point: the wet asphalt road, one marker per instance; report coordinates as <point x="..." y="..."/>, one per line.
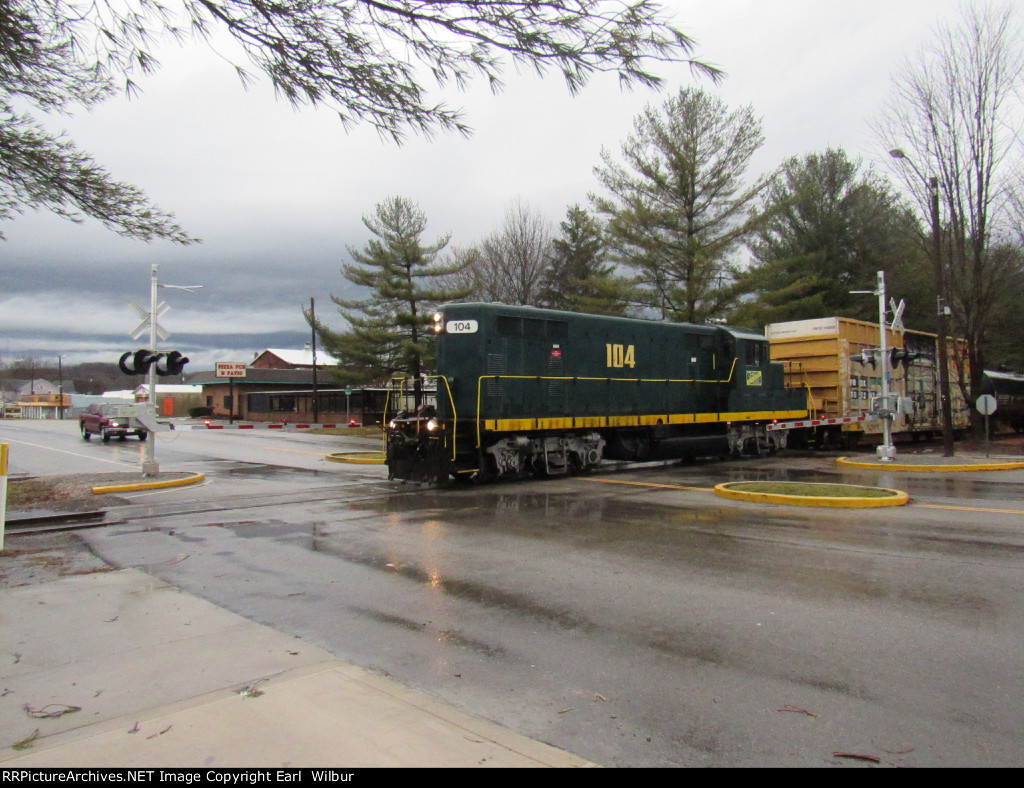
<point x="631" y="617"/>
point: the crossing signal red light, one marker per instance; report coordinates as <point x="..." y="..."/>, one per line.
<point x="138" y="362"/>
<point x="174" y="362"/>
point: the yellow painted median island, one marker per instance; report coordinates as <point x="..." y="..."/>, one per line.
<point x="848" y="496"/>
<point x="358" y="457"/>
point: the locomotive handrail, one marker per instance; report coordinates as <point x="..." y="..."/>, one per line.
<point x="387" y="400"/>
<point x="480" y="383"/>
<point x="455" y="415"/>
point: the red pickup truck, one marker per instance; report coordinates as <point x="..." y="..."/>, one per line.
<point x="103" y="420"/>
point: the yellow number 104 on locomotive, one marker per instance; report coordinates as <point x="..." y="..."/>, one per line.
<point x="523" y="391"/>
<point x="621" y="356"/>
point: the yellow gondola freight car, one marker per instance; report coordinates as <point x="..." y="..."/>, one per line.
<point x="837" y="361"/>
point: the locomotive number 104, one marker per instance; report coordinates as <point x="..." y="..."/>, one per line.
<point x="620" y="356"/>
<point x="462" y="327"/>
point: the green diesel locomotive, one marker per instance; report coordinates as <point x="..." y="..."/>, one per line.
<point x="524" y="391"/>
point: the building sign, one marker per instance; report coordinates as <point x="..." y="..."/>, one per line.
<point x="230" y="370"/>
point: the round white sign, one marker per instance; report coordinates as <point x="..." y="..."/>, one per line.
<point x="986" y="404"/>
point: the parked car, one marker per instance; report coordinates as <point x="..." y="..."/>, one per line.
<point x="103" y="420"/>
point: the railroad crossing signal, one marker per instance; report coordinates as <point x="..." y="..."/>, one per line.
<point x="866" y="357"/>
<point x="174" y="363"/>
<point x="897" y="314"/>
<point x="902" y="356"/>
<point x="142" y="329"/>
<point x="141" y="360"/>
<point x="138" y="362"/>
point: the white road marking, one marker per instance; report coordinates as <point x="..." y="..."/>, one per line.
<point x="72" y="453"/>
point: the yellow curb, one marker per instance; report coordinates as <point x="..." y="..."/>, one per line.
<point x="897" y="498"/>
<point x="358" y="457"/>
<point x="193" y="479"/>
<point x="893" y="466"/>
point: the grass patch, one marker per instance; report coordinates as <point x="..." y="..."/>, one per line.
<point x="811" y="490"/>
<point x="27" y="493"/>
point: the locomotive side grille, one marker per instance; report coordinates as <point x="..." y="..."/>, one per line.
<point x="495" y="366"/>
<point x="556" y="388"/>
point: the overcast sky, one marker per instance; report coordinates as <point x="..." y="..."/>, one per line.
<point x="277" y="195"/>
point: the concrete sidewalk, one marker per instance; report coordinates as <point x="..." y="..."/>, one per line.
<point x="160" y="678"/>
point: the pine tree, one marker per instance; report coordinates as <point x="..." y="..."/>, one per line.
<point x="677" y="206"/>
<point x="829" y="227"/>
<point x="579" y="278"/>
<point x="389" y="331"/>
<point x="364" y="60"/>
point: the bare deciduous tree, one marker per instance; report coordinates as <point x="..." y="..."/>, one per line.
<point x="952" y="117"/>
<point x="508" y="266"/>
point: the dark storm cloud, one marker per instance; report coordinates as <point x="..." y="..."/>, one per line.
<point x="277" y="196"/>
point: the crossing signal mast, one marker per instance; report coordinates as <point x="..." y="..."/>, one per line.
<point x="887" y="451"/>
<point x="147" y="361"/>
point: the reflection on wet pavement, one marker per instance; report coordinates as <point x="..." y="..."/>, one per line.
<point x="809" y="555"/>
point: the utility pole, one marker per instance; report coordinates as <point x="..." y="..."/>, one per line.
<point x="938" y="273"/>
<point x="316" y="396"/>
<point x="948" y="447"/>
<point x="60" y="388"/>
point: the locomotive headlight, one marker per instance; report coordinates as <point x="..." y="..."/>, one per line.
<point x="392" y="424"/>
<point x="438" y="322"/>
<point x="432" y="425"/>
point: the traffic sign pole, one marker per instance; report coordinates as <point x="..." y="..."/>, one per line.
<point x="230" y="370"/>
<point x="986" y="405"/>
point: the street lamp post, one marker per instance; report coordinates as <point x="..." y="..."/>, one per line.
<point x="942" y="347"/>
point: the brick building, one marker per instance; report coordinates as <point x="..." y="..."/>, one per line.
<point x="278" y="385"/>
